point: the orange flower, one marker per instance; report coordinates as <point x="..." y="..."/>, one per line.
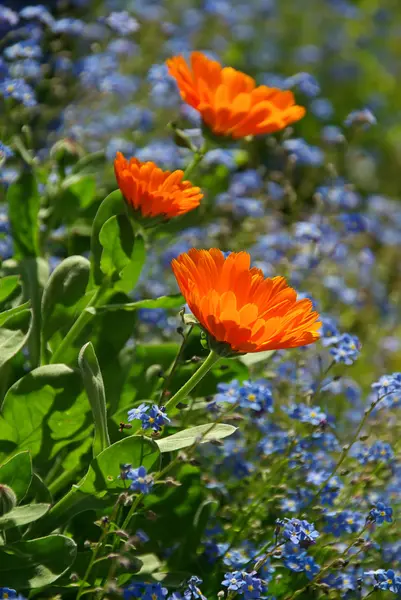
<point x="155" y="192"/>
<point x="229" y="101"/>
<point x="237" y="306"/>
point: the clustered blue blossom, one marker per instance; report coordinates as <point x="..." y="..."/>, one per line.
<point x="151" y="416"/>
<point x="296" y="559"/>
<point x="298" y="532"/>
<point x="254" y="395"/>
<point x="386" y="580"/>
<point x="245" y="584"/>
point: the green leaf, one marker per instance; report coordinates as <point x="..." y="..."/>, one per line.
<point x="103" y="475"/>
<point x="150" y="563"/>
<point x="22" y="515"/>
<point x="38" y="491"/>
<point x="34" y="274"/>
<point x="23" y="210"/>
<point x="17" y="473"/>
<point x="12" y="312"/>
<point x="93" y="382"/>
<point x="14" y="334"/>
<point x="254" y="358"/>
<point x="79" y="192"/>
<point x="117" y="239"/>
<point x="123" y="253"/>
<point x="187" y="437"/>
<point x="36" y="563"/>
<point x="112" y="205"/>
<point x="44" y="412"/>
<point x="166" y="302"/>
<point x="64" y="299"/>
<point x="8" y="285"/>
<point x="102" y="479"/>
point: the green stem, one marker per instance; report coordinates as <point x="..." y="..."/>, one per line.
<point x="205" y="367"/>
<point x="96" y="551"/>
<point x="174" y="365"/>
<point x="196" y="159"/>
<point x="79" y="324"/>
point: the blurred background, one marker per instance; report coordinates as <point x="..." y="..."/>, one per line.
<point x="102" y="82"/>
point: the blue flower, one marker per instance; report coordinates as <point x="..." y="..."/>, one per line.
<point x="388" y="384"/>
<point x="252" y="586"/>
<point x="152" y="417"/>
<point x="331" y="134"/>
<point x="256" y="396"/>
<point x="299" y="532"/>
<point x="306" y="414"/>
<point x="193" y="592"/>
<point x="5" y="151"/>
<point x="233" y="581"/>
<point x="245" y="584"/>
<point x="381" y="513"/>
<point x="303" y="153"/>
<point x="7" y="593"/>
<point x="311" y="568"/>
<point x="19" y="90"/>
<point x="386" y="580"/>
<point x="346" y="350"/>
<point x="140" y="481"/>
<point x="38" y="12"/>
<point x="145" y="591"/>
<point x="122" y="22"/>
<point x="9" y="17"/>
<point x="362" y="118"/>
<point x="305" y="82"/>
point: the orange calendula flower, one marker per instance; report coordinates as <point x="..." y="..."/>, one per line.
<point x="237" y="306"/>
<point x="229" y="101"/>
<point x="154" y="192"/>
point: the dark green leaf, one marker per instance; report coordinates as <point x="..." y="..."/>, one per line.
<point x="24" y="203"/>
<point x="104" y="471"/>
<point x="12" y="312"/>
<point x="14" y="334"/>
<point x="36" y="563"/>
<point x="22" y="515"/>
<point x="17" y="473"/>
<point x="102" y="479"/>
<point x="44" y="412"/>
<point x="34" y="274"/>
<point x="8" y="285"/>
<point x="123" y="253"/>
<point x="166" y="302"/>
<point x="93" y="382"/>
<point x="200" y="433"/>
<point x="64" y="298"/>
<point x="112" y="205"/>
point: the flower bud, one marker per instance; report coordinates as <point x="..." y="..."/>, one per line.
<point x="8" y="499"/>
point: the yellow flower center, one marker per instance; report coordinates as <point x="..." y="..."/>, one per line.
<point x="251" y="397"/>
<point x="151" y="420"/>
<point x="250" y="588"/>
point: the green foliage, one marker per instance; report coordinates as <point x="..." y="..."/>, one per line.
<point x="24" y="202"/>
<point x="123" y="253"/>
<point x="93" y="382"/>
<point x="36" y="563"/>
<point x="200" y="433"/>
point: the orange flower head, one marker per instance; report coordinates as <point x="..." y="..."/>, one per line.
<point x="152" y="191"/>
<point x="238" y="307"/>
<point x="229" y="101"/>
